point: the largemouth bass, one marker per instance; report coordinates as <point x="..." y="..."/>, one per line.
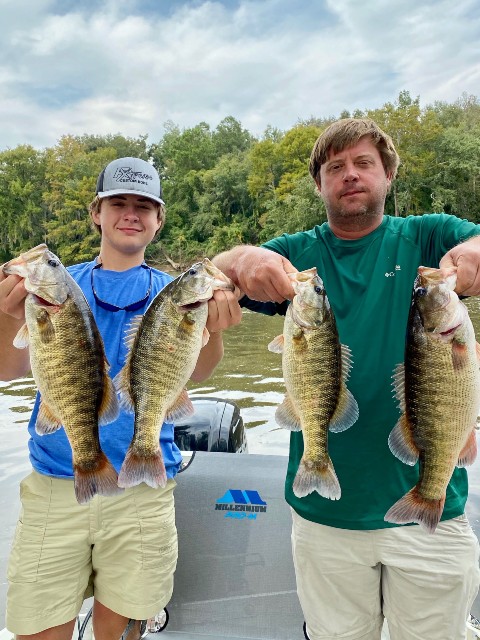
<point x="164" y="345"/>
<point x="315" y="370"/>
<point x="438" y="389"/>
<point x="69" y="366"/>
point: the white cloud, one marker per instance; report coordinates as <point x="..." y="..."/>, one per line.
<point x="117" y="67"/>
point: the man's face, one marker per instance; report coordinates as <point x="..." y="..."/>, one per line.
<point x="354" y="184"/>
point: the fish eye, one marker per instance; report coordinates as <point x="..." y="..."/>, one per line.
<point x="192" y="272"/>
<point x="318" y="289"/>
<point x="421" y="291"/>
<point x="53" y="263"/>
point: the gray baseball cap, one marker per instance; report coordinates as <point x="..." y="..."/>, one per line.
<point x="130" y="175"/>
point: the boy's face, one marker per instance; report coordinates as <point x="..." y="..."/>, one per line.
<point x="128" y="222"/>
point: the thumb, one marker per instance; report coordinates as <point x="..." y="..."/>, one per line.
<point x="447" y="261"/>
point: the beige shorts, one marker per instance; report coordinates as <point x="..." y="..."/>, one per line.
<point x="348" y="581"/>
<point x="122" y="550"/>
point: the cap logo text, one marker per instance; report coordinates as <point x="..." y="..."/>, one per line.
<point x="127" y="174"/>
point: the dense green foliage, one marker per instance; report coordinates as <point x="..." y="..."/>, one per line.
<point x="223" y="186"/>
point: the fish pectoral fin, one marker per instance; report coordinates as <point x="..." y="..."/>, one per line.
<point x="205" y="336"/>
<point x="109" y="407"/>
<point x="121" y="383"/>
<point x="46" y="330"/>
<point x="46" y="422"/>
<point x="469" y="452"/>
<point x="346" y="413"/>
<point x="401" y="442"/>
<point x="286" y="415"/>
<point x="22" y="339"/>
<point x="277" y="344"/>
<point x="181" y="408"/>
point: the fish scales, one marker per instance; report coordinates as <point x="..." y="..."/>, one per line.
<point x="315" y="369"/>
<point x="69" y="367"/>
<point x="312" y="371"/>
<point x="438" y="397"/>
<point x="438" y="388"/>
<point x="164" y="346"/>
<point x="78" y="343"/>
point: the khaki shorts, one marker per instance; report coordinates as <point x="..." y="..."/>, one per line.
<point x="121" y="549"/>
<point x="424" y="584"/>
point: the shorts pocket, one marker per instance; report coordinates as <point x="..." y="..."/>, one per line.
<point x="25" y="554"/>
<point x="29" y="535"/>
<point x="159" y="542"/>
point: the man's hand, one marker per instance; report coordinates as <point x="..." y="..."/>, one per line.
<point x="260" y="274"/>
<point x="466" y="257"/>
<point x="224" y="310"/>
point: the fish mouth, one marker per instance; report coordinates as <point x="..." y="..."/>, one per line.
<point x="185" y="308"/>
<point x="42" y="302"/>
<point x="449" y="332"/>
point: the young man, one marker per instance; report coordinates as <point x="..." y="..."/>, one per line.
<point x="353" y="568"/>
<point x="121" y="549"/>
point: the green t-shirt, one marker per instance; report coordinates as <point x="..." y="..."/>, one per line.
<point x="369" y="284"/>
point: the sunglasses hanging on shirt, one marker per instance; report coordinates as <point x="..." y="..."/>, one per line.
<point x="108" y="306"/>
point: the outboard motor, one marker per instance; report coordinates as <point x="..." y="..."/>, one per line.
<point x="216" y="425"/>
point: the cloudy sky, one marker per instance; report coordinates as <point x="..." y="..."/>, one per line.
<point x="128" y="66"/>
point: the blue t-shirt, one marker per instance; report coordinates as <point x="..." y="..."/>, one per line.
<point x="51" y="454"/>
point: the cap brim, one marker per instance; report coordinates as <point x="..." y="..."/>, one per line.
<point x="118" y="192"/>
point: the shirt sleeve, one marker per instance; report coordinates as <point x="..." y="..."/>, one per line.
<point x="441" y="232"/>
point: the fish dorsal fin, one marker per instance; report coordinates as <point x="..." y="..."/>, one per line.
<point x="401" y="442"/>
<point x="346" y="413"/>
<point x="132" y="330"/>
<point x="346" y="361"/>
<point x="46" y="422"/>
<point x="277" y="344"/>
<point x="181" y="408"/>
<point x="286" y="415"/>
<point x="477" y="351"/>
<point x="121" y="383"/>
<point x="469" y="452"/>
<point x="109" y="407"/>
<point x="22" y="339"/>
<point x="398" y="385"/>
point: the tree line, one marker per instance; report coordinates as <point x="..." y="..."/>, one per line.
<point x="224" y="186"/>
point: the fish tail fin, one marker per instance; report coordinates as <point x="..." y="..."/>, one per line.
<point x="102" y="479"/>
<point x="320" y="477"/>
<point x="136" y="469"/>
<point x="413" y="507"/>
